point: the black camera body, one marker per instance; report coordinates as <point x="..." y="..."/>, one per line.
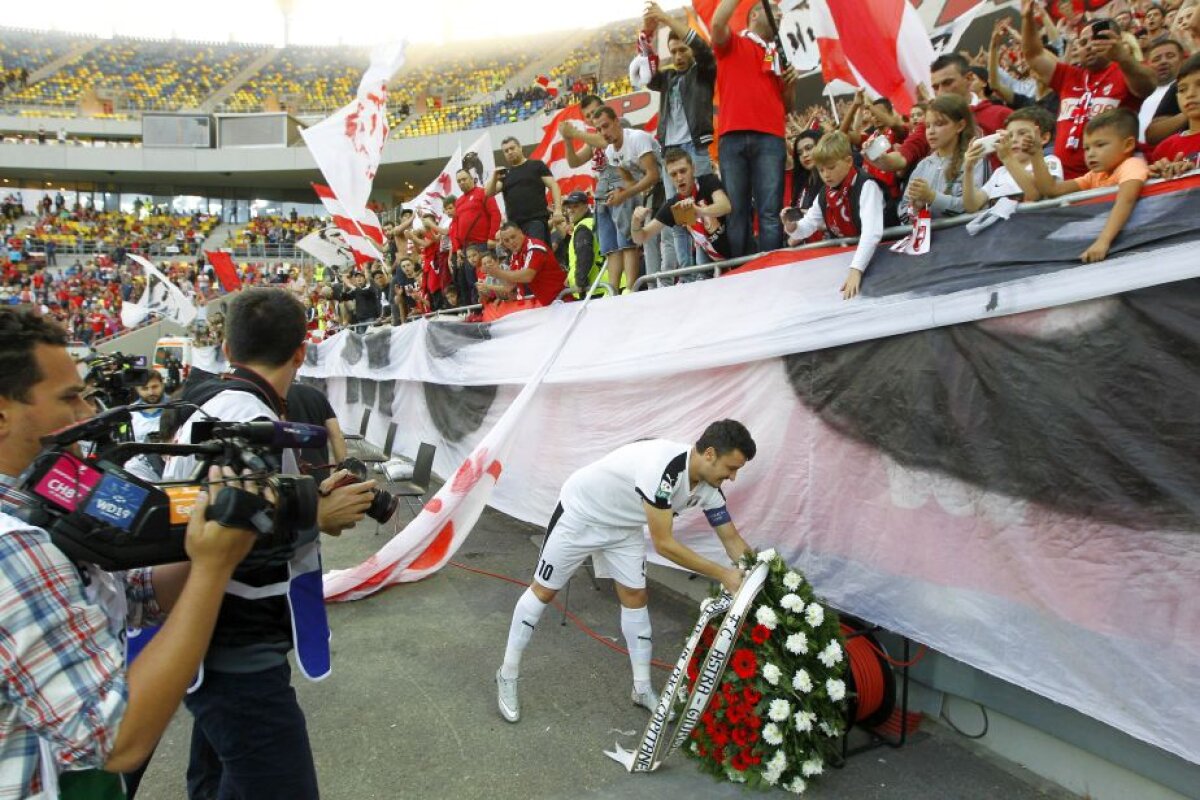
<point x="113" y="377"/>
<point x="98" y="512"/>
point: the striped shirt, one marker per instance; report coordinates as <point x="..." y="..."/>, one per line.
<point x="63" y="657"/>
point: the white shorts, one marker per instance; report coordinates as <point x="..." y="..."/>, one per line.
<point x="617" y="553"/>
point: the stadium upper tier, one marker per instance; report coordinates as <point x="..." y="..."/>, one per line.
<point x="437" y="92"/>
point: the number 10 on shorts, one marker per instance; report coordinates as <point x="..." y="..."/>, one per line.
<point x="544" y="570"/>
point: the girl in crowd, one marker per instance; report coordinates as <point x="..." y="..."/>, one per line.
<point x="936" y="183"/>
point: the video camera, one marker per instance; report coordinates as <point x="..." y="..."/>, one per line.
<point x="98" y="512"/>
<point x="113" y="377"/>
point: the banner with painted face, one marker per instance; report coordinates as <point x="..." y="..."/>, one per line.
<point x="992" y="451"/>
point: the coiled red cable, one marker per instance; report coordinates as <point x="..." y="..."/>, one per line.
<point x="866" y="672"/>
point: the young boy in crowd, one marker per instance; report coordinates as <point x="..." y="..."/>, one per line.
<point x="1180" y="152"/>
<point x="1025" y="131"/>
<point x="1109" y="141"/>
<point x="851" y="205"/>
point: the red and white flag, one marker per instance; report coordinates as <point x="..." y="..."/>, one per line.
<point x="362" y="230"/>
<point x="478" y="159"/>
<point x="882" y="46"/>
<point x="552" y="150"/>
<point x="225" y="269"/>
<point x="348" y="144"/>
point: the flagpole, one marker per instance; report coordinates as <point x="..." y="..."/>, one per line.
<point x="783" y="59"/>
<point x="833" y="108"/>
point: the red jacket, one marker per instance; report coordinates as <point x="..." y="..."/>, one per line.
<point x="547" y="284"/>
<point x="476" y="219"/>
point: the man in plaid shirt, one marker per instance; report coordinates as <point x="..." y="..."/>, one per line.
<point x="69" y="703"/>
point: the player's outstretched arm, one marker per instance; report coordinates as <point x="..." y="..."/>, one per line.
<point x="662" y="533"/>
<point x="733" y="542"/>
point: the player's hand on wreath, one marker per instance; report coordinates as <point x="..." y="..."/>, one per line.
<point x="732" y="580"/>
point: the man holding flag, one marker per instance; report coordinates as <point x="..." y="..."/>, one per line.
<point x="751" y="82"/>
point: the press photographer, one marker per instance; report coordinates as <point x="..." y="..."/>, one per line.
<point x="69" y="702"/>
<point x="245" y="702"/>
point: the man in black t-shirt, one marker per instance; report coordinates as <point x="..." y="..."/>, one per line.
<point x="699" y="206"/>
<point x="524" y="184"/>
<point x="309" y="405"/>
<point x="365" y="296"/>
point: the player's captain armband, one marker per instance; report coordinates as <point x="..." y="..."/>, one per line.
<point x="718" y="516"/>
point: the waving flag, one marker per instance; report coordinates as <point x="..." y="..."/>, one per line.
<point x="882" y="46"/>
<point x="478" y="159"/>
<point x="160" y="297"/>
<point x="362" y="231"/>
<point x="348" y="144"/>
<point x="223" y="265"/>
<point x="327" y="246"/>
<point x="553" y="151"/>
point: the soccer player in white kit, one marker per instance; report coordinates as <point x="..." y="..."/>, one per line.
<point x="601" y="512"/>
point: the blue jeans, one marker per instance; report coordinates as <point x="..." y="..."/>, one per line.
<point x="685" y="251"/>
<point x="752" y="165"/>
<point x="249" y="739"/>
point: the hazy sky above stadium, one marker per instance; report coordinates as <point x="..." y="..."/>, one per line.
<point x="321" y="21"/>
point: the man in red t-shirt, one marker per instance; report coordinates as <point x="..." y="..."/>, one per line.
<point x="532" y="267"/>
<point x="476" y="221"/>
<point x="750" y="122"/>
<point x="1109" y="77"/>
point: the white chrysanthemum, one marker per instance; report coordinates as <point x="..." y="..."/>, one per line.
<point x="832" y="654"/>
<point x="797" y="786"/>
<point x="766" y="617"/>
<point x="771" y="734"/>
<point x="792" y="602"/>
<point x="792" y="581"/>
<point x="779" y="710"/>
<point x="836" y="689"/>
<point x="772" y="776"/>
<point x="802" y="682"/>
<point x="812" y="767"/>
<point x="815" y="615"/>
<point x="778" y="761"/>
<point x="772" y="674"/>
<point x="797" y="644"/>
<point x="804" y="721"/>
<point x="735" y="776"/>
<point x="767" y="556"/>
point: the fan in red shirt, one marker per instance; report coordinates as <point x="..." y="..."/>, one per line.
<point x="1109" y="77"/>
<point x="476" y="221"/>
<point x="1182" y="150"/>
<point x="532" y="267"/>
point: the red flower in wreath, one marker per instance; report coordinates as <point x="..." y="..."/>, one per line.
<point x="718" y="754"/>
<point x="750" y="696"/>
<point x="754" y="722"/>
<point x="693" y="670"/>
<point x="744" y="663"/>
<point x="744" y="737"/>
<point x="740" y="762"/>
<point x="736" y="714"/>
<point x="702" y="751"/>
<point x="707" y="636"/>
<point x="760" y="633"/>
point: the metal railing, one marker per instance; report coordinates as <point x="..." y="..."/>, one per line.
<point x="602" y="288"/>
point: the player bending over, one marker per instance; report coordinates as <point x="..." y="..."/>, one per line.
<point x="601" y="510"/>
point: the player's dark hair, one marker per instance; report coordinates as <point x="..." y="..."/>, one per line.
<point x="725" y="436"/>
<point x="508" y="223"/>
<point x="606" y="111"/>
<point x="674" y="154"/>
<point x="20" y="334"/>
<point x="265" y="326"/>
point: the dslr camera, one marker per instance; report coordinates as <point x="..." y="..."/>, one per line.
<point x="96" y="511"/>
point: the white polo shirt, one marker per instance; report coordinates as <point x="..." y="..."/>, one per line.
<point x="610" y="493"/>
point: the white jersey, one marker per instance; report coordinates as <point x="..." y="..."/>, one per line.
<point x="610" y="493"/>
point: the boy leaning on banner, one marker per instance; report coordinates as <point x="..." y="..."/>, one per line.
<point x="851" y="205"/>
<point x="1109" y="142"/>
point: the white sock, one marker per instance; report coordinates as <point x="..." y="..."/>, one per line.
<point x="635" y="624"/>
<point x="525" y="618"/>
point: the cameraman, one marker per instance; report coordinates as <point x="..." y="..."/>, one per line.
<point x="249" y="737"/>
<point x="69" y="703"/>
<point x="146" y="411"/>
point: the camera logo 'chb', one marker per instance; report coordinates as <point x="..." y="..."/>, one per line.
<point x="67" y="482"/>
<point x="116" y="502"/>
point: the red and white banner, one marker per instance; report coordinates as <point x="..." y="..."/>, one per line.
<point x="552" y="150"/>
<point x="882" y="46"/>
<point x="348" y="144"/>
<point x="362" y="231"/>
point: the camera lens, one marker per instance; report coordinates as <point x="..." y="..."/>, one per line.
<point x="383" y="505"/>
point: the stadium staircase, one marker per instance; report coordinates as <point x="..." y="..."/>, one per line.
<point x="220" y="235"/>
<point x="523" y="79"/>
<point x="54" y="65"/>
<point x="214" y="100"/>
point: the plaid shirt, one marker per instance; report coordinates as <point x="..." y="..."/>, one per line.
<point x="63" y="657"/>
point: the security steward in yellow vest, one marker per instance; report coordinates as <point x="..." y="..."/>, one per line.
<point x="583" y="253"/>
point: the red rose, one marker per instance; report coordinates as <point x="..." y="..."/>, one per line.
<point x="754" y="721"/>
<point x="707" y="718"/>
<point x="720" y="738"/>
<point x="744" y="663"/>
<point x="760" y="634"/>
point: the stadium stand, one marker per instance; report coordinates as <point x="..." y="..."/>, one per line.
<point x="303" y="79"/>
